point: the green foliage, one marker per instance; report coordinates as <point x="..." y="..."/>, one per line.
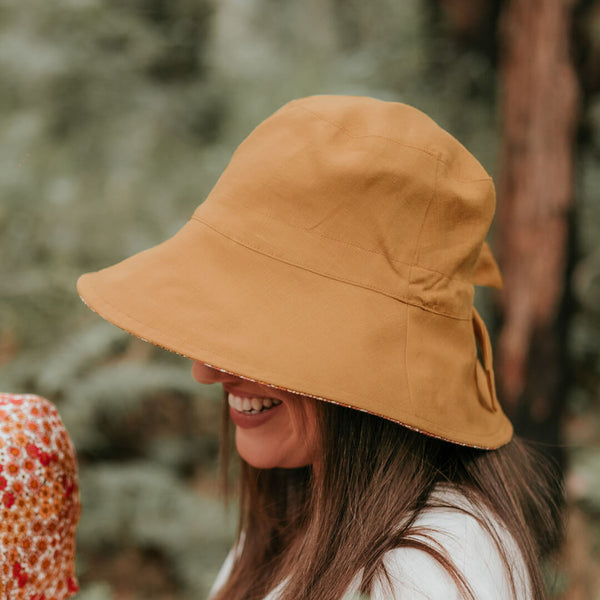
<point x="584" y="480"/>
<point x="96" y="591"/>
<point x="147" y="506"/>
<point x="83" y="103"/>
<point x="79" y="350"/>
<point x="112" y="392"/>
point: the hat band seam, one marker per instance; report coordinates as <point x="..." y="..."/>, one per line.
<point x="433" y="155"/>
<point x="279" y="221"/>
<point x="329" y="276"/>
<point x="390" y="258"/>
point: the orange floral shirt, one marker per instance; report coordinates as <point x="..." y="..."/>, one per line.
<point x="39" y="501"/>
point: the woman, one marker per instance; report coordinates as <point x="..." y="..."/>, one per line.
<point x="327" y="283"/>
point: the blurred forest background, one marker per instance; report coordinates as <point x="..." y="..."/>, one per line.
<point x="117" y="117"/>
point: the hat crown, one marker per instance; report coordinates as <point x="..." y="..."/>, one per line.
<point x="358" y="179"/>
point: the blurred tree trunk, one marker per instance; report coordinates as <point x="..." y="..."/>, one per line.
<point x="539" y="111"/>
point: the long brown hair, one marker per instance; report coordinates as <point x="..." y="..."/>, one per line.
<point x="316" y="529"/>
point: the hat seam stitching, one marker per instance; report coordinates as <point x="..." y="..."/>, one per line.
<point x="332" y="277"/>
<point x="418" y="240"/>
<point x="416" y="257"/>
<point x="406" y="371"/>
<point x="345" y="242"/>
<point x="410" y="275"/>
<point x="436" y="156"/>
<point x="368" y="135"/>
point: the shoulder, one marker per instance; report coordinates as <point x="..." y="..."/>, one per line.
<point x="456" y="528"/>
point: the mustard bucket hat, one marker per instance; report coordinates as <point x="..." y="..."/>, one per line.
<point x="335" y="257"/>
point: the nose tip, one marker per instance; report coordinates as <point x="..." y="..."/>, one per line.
<point x="206" y="374"/>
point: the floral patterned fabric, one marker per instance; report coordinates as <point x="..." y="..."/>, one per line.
<point x="39" y="501"/>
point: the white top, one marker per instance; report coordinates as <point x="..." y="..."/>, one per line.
<point x="418" y="576"/>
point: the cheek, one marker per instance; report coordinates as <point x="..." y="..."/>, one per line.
<point x="289" y="441"/>
<point x="304" y="427"/>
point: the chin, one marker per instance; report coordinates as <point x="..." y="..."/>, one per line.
<point x="259" y="460"/>
<point x="257" y="464"/>
<point x="268" y="454"/>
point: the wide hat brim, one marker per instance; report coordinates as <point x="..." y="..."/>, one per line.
<point x="210" y="298"/>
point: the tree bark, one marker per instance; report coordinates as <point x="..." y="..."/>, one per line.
<point x="539" y="110"/>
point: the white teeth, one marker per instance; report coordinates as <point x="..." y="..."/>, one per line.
<point x="252" y="405"/>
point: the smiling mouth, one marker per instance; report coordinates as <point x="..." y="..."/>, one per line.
<point x="251" y="406"/>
